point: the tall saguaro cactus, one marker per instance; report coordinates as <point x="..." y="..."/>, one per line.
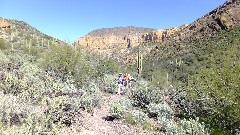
<point x="42" y="41"/>
<point x="139" y="62"/>
<point x="12" y="40"/>
<point x="48" y="44"/>
<point x="29" y="46"/>
<point x="12" y="36"/>
<point x="37" y="41"/>
<point x="26" y="43"/>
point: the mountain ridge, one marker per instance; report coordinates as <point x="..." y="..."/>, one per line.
<point x="118" y="31"/>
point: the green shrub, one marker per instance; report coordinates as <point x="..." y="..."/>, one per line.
<point x="139" y="116"/>
<point x="65" y="61"/>
<point x="153" y="109"/>
<point x="143" y="94"/>
<point x="192" y="127"/>
<point x="90" y="96"/>
<point x="3" y="45"/>
<point x="110" y="83"/>
<point x="117" y="110"/>
<point x="126" y="103"/>
<point x="4" y="59"/>
<point x="106" y="66"/>
<point x="129" y="119"/>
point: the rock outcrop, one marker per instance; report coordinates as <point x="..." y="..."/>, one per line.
<point x="4" y="24"/>
<point x="106" y="41"/>
<point x="159" y="36"/>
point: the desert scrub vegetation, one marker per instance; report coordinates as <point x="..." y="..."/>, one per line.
<point x="166" y="106"/>
<point x="44" y="92"/>
<point x="216" y="87"/>
<point x="207" y="72"/>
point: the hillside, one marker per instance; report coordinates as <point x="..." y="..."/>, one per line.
<point x="187" y="80"/>
<point x="49" y="87"/>
<point x="192" y="41"/>
<point x="224" y="17"/>
<point x="203" y="58"/>
<point x="19" y="32"/>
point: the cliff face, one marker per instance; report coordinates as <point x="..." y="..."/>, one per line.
<point x="108" y="40"/>
<point x="159" y="36"/>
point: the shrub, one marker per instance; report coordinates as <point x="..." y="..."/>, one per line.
<point x="166" y="118"/>
<point x="117" y="110"/>
<point x="14" y="110"/>
<point x="126" y="103"/>
<point x="183" y="127"/>
<point x="192" y="127"/>
<point x="90" y="96"/>
<point x="65" y="61"/>
<point x="143" y="94"/>
<point x="3" y="45"/>
<point x="129" y="119"/>
<point x="106" y="66"/>
<point x="139" y="116"/>
<point x="153" y="109"/>
<point x="110" y="83"/>
<point x="4" y="59"/>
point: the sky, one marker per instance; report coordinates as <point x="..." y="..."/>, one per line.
<point x="70" y="19"/>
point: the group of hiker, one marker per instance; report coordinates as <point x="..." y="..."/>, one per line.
<point x="124" y="81"/>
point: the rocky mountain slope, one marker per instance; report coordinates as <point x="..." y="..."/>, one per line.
<point x="222" y="18"/>
<point x="189" y="48"/>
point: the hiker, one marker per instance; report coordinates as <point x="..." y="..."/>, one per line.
<point x="126" y="79"/>
<point x="120" y="83"/>
<point x="131" y="80"/>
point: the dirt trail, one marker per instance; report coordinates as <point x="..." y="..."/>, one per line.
<point x="96" y="124"/>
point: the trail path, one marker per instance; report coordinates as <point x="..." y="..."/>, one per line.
<point x="96" y="124"/>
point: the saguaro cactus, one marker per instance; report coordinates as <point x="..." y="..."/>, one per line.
<point x="167" y="78"/>
<point x="29" y="46"/>
<point x="42" y="41"/>
<point x="48" y="44"/>
<point x="11" y="36"/>
<point x="26" y="42"/>
<point x="11" y="41"/>
<point x="37" y="41"/>
<point x="139" y="62"/>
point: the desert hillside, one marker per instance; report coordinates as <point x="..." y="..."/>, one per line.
<point x="175" y="81"/>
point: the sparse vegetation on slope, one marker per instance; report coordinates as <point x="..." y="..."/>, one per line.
<point x="189" y="85"/>
<point x="208" y="70"/>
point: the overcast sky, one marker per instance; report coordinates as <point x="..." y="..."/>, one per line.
<point x="71" y="19"/>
